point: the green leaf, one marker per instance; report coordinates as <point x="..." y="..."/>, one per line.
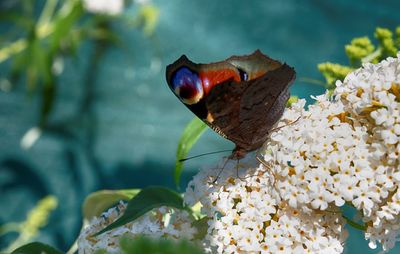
<point x="67" y="17"/>
<point x="40" y="71"/>
<point x="101" y="251"/>
<point x="97" y="202"/>
<point x="36" y="248"/>
<point x="189" y="137"/>
<point x="47" y="102"/>
<point x="26" y="22"/>
<point x="196" y="211"/>
<point x="398" y="36"/>
<point x="47" y="12"/>
<point x="148" y="16"/>
<point x="145" y="201"/>
<point x="202" y="227"/>
<point x="147" y="245"/>
<point x="18" y="66"/>
<point x="293" y="99"/>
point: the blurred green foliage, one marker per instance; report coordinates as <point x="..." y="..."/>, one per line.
<point x="57" y="33"/>
<point x="27" y="230"/>
<point x="129" y="244"/>
<point x="140" y="202"/>
<point x="38" y="37"/>
<point x="146" y="200"/>
<point x="143" y="245"/>
<point x="36" y="248"/>
<point x="192" y="132"/>
<point x="362" y="50"/>
<point x="54" y="34"/>
<point x="147" y="19"/>
<point x="98" y="202"/>
<point x="292" y="99"/>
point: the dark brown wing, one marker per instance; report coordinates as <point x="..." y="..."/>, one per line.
<point x="262" y="105"/>
<point x="223" y="108"/>
<point x="245" y="112"/>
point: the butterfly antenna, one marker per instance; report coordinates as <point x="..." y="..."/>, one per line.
<point x="196" y="156"/>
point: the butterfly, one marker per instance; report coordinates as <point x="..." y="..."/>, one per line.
<point x="240" y="98"/>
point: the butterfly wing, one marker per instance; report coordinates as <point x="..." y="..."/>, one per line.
<point x="245" y="112"/>
<point x="223" y="109"/>
<point x="262" y="105"/>
<point x="241" y="97"/>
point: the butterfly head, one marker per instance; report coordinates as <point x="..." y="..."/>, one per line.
<point x="187" y="85"/>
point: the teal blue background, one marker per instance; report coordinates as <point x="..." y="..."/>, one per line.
<point x="116" y="124"/>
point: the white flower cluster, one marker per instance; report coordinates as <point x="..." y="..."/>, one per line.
<point x="346" y="150"/>
<point x="161" y="222"/>
<point x="372" y="95"/>
<point x="247" y="215"/>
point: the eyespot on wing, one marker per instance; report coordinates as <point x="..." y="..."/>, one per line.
<point x="187" y="85"/>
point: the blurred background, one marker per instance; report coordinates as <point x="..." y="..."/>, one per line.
<point x="84" y="104"/>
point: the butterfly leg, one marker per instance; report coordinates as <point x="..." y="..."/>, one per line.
<point x="268" y="169"/>
<point x="220" y="171"/>
<point x="280" y="127"/>
<point x="237" y="170"/>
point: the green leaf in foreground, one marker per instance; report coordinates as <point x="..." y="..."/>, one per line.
<point x="97" y="202"/>
<point x="157" y="246"/>
<point x="146" y="200"/>
<point x="36" y="248"/>
<point x="202" y="226"/>
<point x="101" y="251"/>
<point x="189" y="137"/>
<point x="293" y="99"/>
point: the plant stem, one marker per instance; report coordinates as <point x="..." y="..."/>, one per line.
<point x="14" y="48"/>
<point x="354" y="224"/>
<point x="371" y="56"/>
<point x="313" y="81"/>
<point x="47" y="13"/>
<point x="10" y="227"/>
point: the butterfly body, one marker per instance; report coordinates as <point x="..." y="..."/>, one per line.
<point x="240" y="98"/>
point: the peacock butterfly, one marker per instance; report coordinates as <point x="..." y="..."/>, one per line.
<point x="241" y="98"/>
